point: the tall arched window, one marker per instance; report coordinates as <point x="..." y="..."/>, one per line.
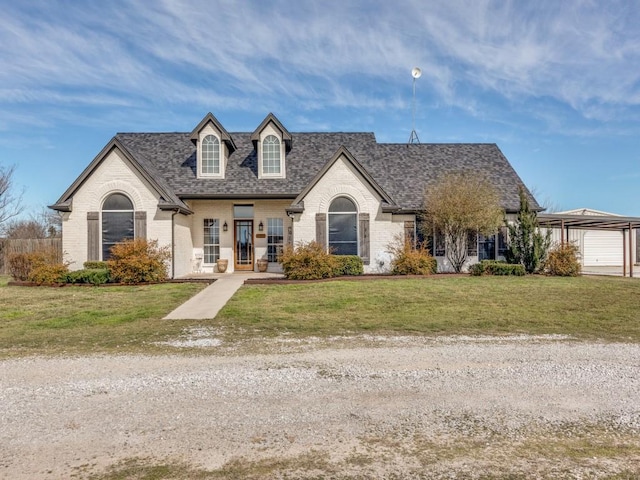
<point x="343" y="227"/>
<point x="271" y="155"/>
<point x="210" y="155"/>
<point x="117" y="222"/>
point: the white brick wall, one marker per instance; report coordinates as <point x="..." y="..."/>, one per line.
<point x="114" y="174"/>
<point x="183" y="249"/>
<point x="343" y="180"/>
<point x="223" y="211"/>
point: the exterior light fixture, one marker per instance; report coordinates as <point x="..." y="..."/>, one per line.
<point x="260" y="226"/>
<point x="224" y="226"/>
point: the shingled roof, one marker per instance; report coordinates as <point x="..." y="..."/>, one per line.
<point x="403" y="171"/>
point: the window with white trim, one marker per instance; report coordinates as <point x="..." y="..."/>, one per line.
<point x="211" y="240"/>
<point x="343" y="227"/>
<point x="275" y="238"/>
<point x="271" y="159"/>
<point x="117" y="222"/>
<point x="210" y="155"/>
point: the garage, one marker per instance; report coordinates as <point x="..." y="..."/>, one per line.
<point x="603" y="249"/>
<point x="605" y="240"/>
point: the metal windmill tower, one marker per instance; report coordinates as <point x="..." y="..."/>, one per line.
<point x="415" y="73"/>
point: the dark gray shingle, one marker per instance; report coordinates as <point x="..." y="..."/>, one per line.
<point x="402" y="170"/>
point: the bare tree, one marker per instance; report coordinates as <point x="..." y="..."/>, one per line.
<point x="10" y="201"/>
<point x="45" y="224"/>
<point x="458" y="205"/>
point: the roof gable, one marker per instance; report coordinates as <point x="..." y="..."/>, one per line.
<point x="169" y="200"/>
<point x="271" y="118"/>
<point x="343" y="152"/>
<point x="209" y="118"/>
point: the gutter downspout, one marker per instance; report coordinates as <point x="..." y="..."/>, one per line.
<point x="173" y="245"/>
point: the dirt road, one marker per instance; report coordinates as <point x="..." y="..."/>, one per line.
<point x="378" y="408"/>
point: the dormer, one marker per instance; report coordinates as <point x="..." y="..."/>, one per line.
<point x="272" y="142"/>
<point x="213" y="146"/>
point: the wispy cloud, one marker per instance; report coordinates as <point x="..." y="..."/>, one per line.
<point x="310" y="55"/>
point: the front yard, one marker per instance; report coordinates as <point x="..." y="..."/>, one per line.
<point x="72" y="320"/>
<point x="125" y="319"/>
<point x="606" y="308"/>
<point x="362" y="402"/>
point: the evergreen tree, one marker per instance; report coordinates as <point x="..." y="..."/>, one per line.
<point x="527" y="245"/>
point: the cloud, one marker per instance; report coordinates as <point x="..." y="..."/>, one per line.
<point x="310" y="55"/>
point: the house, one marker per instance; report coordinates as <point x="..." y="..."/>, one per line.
<point x="211" y="194"/>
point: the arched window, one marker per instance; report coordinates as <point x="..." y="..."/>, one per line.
<point x="210" y="155"/>
<point x="271" y="155"/>
<point x="343" y="227"/>
<point x="117" y="222"/>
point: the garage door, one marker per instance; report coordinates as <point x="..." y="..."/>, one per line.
<point x="602" y="248"/>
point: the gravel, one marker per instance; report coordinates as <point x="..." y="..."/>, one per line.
<point x="72" y="415"/>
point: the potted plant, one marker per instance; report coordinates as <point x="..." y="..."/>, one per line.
<point x="222" y="264"/>
<point x="263" y="264"/>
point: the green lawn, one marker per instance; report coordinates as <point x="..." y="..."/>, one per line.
<point x="117" y="319"/>
<point x="606" y="308"/>
<point x="49" y="320"/>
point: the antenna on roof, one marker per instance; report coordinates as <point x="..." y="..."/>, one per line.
<point x="415" y="73"/>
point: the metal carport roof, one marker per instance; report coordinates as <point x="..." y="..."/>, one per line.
<point x="566" y="222"/>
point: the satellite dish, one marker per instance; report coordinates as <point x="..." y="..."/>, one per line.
<point x="416" y="72"/>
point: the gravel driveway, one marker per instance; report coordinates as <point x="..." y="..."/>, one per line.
<point x="449" y="407"/>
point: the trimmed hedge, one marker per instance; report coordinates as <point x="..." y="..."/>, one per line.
<point x="93" y="276"/>
<point x="348" y="265"/>
<point x="493" y="267"/>
<point x="95" y="265"/>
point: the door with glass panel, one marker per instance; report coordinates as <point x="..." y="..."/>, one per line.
<point x="243" y="244"/>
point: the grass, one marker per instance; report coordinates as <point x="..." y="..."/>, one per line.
<point x="605" y="308"/>
<point x="75" y="320"/>
<point x="587" y="452"/>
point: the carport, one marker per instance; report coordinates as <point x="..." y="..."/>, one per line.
<point x="626" y="225"/>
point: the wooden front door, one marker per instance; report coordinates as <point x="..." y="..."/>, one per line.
<point x="243" y="244"/>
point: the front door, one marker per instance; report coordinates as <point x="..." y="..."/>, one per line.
<point x="244" y="244"/>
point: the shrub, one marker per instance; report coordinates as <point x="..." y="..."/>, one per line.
<point x="563" y="261"/>
<point x="307" y="261"/>
<point x="348" y="265"/>
<point x="48" y="273"/>
<point x="94" y="265"/>
<point x="477" y="269"/>
<point x="138" y="261"/>
<point x="493" y="267"/>
<point x="21" y="265"/>
<point x="93" y="276"/>
<point x="410" y="260"/>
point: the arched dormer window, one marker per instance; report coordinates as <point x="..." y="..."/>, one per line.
<point x="117" y="222"/>
<point x="343" y="227"/>
<point x="271" y="156"/>
<point x="210" y="155"/>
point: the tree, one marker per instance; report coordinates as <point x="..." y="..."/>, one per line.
<point x="46" y="224"/>
<point x="527" y="245"/>
<point x="460" y="204"/>
<point x="9" y="200"/>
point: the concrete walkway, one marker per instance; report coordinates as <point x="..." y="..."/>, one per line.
<point x="209" y="301"/>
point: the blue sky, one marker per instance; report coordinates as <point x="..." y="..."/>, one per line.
<point x="556" y="84"/>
